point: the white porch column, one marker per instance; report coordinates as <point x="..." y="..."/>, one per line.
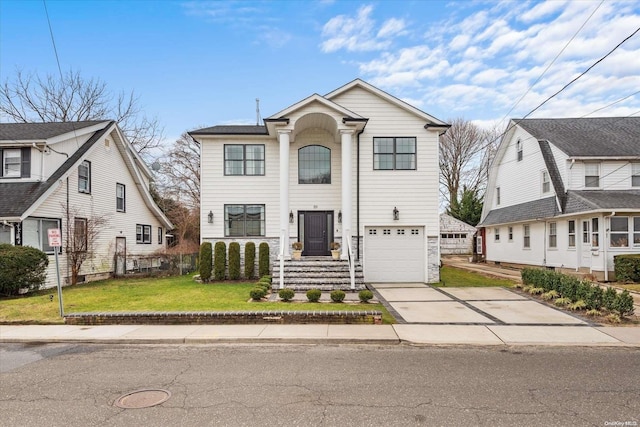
<point x="283" y="139"/>
<point x="346" y="137"/>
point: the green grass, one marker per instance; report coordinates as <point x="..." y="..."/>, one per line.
<point x="456" y="278"/>
<point x="152" y="294"/>
<point x="629" y="286"/>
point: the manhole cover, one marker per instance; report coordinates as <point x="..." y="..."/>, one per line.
<point x="142" y="399"/>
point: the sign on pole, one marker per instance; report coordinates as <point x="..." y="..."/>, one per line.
<point x="55" y="241"/>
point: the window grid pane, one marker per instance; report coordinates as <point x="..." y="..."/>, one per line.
<point x="314" y="165"/>
<point x="11" y="162"/>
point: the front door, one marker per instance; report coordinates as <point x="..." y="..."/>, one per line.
<point x="316" y="230"/>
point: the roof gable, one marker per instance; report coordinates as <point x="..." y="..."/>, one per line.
<point x="310" y="100"/>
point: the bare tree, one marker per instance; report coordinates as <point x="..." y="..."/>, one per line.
<point x="81" y="238"/>
<point x="32" y="98"/>
<point x="466" y="152"/>
<point x="178" y="190"/>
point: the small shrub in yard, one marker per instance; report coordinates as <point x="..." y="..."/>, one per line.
<point x="569" y="287"/>
<point x="21" y="267"/>
<point x="263" y="259"/>
<point x="266" y="279"/>
<point x="609" y="298"/>
<point x="313" y="295"/>
<point x="593" y="312"/>
<point x="257" y="294"/>
<point x="536" y="291"/>
<point x="614" y="318"/>
<point x="365" y="295"/>
<point x="337" y="295"/>
<point x="578" y="305"/>
<point x="249" y="260"/>
<point x="286" y="294"/>
<point x="205" y="261"/>
<point x="263" y="285"/>
<point x="550" y="295"/>
<point x="627" y="267"/>
<point x="219" y="260"/>
<point x="234" y="260"/>
<point x="623" y="304"/>
<point x="562" y="302"/>
<point x="594" y="298"/>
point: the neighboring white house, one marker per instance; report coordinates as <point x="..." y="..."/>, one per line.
<point x="565" y="193"/>
<point x="57" y="174"/>
<point x="456" y="237"/>
<point x="356" y="166"/>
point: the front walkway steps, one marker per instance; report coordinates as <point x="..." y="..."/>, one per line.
<point x="322" y="273"/>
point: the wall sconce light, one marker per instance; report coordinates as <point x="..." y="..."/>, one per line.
<point x="340" y="217"/>
<point x="210" y="217"/>
<point x="290" y="217"/>
<point x="396" y="214"/>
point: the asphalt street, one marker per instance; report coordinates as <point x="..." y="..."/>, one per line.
<point x="312" y="385"/>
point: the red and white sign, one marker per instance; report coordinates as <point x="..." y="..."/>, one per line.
<point x="55" y="237"/>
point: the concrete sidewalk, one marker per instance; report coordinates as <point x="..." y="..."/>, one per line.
<point x="482" y="335"/>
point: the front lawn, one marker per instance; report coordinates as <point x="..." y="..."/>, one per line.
<point x="457" y="278"/>
<point x="179" y="293"/>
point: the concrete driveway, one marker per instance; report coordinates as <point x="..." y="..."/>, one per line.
<point x="423" y="304"/>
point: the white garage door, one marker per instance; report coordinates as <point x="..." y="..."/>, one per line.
<point x="394" y="254"/>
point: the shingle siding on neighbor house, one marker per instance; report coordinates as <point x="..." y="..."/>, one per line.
<point x="580" y="214"/>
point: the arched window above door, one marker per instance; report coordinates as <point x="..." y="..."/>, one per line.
<point x="314" y="165"/>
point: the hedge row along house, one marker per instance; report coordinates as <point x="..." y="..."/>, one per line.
<point x="357" y="166"/>
<point x="85" y="179"/>
<point x="565" y="194"/>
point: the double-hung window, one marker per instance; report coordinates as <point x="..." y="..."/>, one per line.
<point x="35" y="232"/>
<point x="84" y="177"/>
<point x="635" y="174"/>
<point x="519" y="150"/>
<point x="572" y="233"/>
<point x="80" y="236"/>
<point x="244" y="220"/>
<point x="546" y="182"/>
<point x="526" y="233"/>
<point x="143" y="233"/>
<point x="595" y="233"/>
<point x="625" y="229"/>
<point x="510" y="232"/>
<point x="496" y="232"/>
<point x="247" y="159"/>
<point x="11" y="159"/>
<point x="394" y="153"/>
<point x="592" y="175"/>
<point x="497" y="196"/>
<point x="159" y="235"/>
<point x="120" y="198"/>
<point x="553" y="235"/>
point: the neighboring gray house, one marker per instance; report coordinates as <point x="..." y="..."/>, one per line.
<point x="456" y="237"/>
<point x="565" y="193"/>
<point x="60" y="175"/>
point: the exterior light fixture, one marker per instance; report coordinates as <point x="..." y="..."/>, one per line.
<point x="396" y="214"/>
<point x="210" y="217"/>
<point x="290" y="217"/>
<point x="340" y="217"/>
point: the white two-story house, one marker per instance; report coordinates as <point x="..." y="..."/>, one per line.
<point x="65" y="175"/>
<point x="356" y="166"/>
<point x="565" y="193"/>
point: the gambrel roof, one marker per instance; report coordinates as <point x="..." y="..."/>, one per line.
<point x="588" y="137"/>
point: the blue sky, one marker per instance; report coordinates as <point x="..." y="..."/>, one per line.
<point x="204" y="63"/>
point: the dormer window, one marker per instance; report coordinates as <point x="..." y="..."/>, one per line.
<point x="592" y="175"/>
<point x="635" y="174"/>
<point x="546" y="183"/>
<point x="16" y="162"/>
<point x="519" y="150"/>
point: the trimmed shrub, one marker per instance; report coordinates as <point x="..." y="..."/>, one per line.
<point x="623" y="304"/>
<point x="365" y="295"/>
<point x="337" y="295"/>
<point x="569" y="287"/>
<point x="234" y="260"/>
<point x="286" y="294"/>
<point x="205" y="260"/>
<point x="249" y="260"/>
<point x="313" y="295"/>
<point x="257" y="294"/>
<point x="21" y="267"/>
<point x="609" y="299"/>
<point x="627" y="268"/>
<point x="263" y="259"/>
<point x="219" y="260"/>
<point x="594" y="298"/>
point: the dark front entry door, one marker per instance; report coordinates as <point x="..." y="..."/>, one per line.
<point x="316" y="235"/>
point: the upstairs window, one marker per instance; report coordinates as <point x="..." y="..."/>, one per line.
<point x="498" y="196"/>
<point x="244" y="159"/>
<point x="394" y="153"/>
<point x="635" y="174"/>
<point x="546" y="182"/>
<point x="519" y="150"/>
<point x="592" y="175"/>
<point x="84" y="177"/>
<point x="120" y="198"/>
<point x="16" y="162"/>
<point x="314" y="165"/>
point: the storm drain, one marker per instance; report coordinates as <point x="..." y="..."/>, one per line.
<point x="142" y="399"/>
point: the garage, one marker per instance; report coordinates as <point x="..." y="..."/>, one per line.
<point x="394" y="254"/>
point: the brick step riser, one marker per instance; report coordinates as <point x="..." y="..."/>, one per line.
<point x="316" y="273"/>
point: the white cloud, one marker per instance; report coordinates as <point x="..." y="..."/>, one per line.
<point x="392" y="27"/>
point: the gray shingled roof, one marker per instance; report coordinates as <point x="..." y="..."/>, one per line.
<point x="588" y="200"/>
<point x="41" y="131"/>
<point x="589" y="137"/>
<point x="232" y="130"/>
<point x="17" y="197"/>
<point x="529" y="211"/>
